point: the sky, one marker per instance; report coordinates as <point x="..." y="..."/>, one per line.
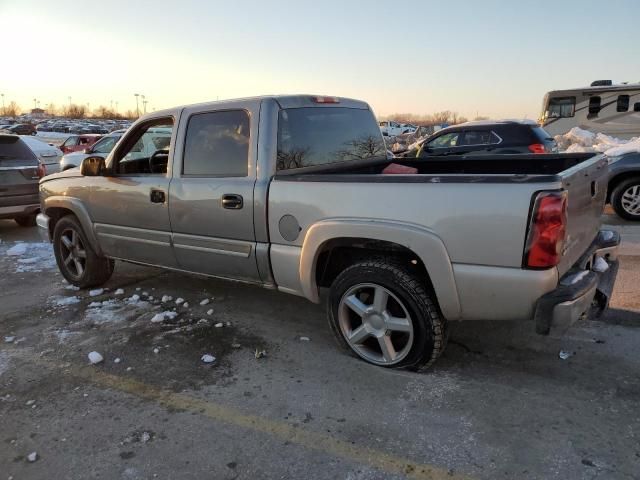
<point x="493" y="58"/>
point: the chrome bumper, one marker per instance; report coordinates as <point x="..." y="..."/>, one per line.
<point x="583" y="291"/>
<point x="42" y="221"/>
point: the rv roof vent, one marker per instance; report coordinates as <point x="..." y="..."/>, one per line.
<point x="601" y="83"/>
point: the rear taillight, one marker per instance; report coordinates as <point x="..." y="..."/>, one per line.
<point x="547" y="231"/>
<point x="537" y="148"/>
<point x="41" y="170"/>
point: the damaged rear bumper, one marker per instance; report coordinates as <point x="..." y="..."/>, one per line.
<point x="585" y="289"/>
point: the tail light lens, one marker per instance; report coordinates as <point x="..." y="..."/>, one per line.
<point x="537" y="148"/>
<point x="41" y="170"/>
<point x="325" y="99"/>
<point x="547" y="231"/>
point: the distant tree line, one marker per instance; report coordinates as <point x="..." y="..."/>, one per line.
<point x="438" y="118"/>
<point x="73" y="110"/>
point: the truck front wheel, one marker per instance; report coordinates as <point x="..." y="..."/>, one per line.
<point x="625" y="199"/>
<point x="77" y="261"/>
<point x="385" y="315"/>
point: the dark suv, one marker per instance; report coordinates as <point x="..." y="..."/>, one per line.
<point x="495" y="137"/>
<point x="20" y="171"/>
<point x="21" y="129"/>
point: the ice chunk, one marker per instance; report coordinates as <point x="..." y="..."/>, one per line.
<point x="210" y="311"/>
<point x="600" y="265"/>
<point x="156" y="350"/>
<point x="179" y="300"/>
<point x="564" y="354"/>
<point x="95" y="304"/>
<point x="9" y="339"/>
<point x="32" y="457"/>
<point x="95" y="357"/>
<point x="219" y="325"/>
<point x="17" y="250"/>
<point x="185" y="304"/>
<point x="204" y="302"/>
<point x="96" y="292"/>
<point x="117" y="360"/>
<point x="134" y="298"/>
<point x="67" y="301"/>
<point x="119" y="292"/>
<point x="305" y="339"/>
<point x="162" y="316"/>
<point x="207" y="358"/>
<point x="166" y="298"/>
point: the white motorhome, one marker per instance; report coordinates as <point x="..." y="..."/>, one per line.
<point x="613" y="109"/>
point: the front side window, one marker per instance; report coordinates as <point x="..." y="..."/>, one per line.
<point x="314" y="136"/>
<point x="70" y="142"/>
<point x="561" y="107"/>
<point x="623" y="103"/>
<point x="105" y="145"/>
<point x="444" y="141"/>
<point x="140" y="153"/>
<point x="217" y="144"/>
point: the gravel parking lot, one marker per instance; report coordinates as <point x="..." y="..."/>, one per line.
<point x="501" y="403"/>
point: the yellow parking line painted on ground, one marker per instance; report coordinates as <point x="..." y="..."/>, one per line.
<point x="306" y="438"/>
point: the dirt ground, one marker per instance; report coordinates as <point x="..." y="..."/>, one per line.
<point x="499" y="404"/>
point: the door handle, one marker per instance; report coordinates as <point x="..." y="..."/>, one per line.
<point x="157" y="196"/>
<point x="232" y="201"/>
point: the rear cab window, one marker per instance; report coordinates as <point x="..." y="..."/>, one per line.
<point x="15" y="153"/>
<point x="312" y="136"/>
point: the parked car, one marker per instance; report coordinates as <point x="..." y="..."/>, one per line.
<point x="48" y="154"/>
<point x="76" y="143"/>
<point x="488" y="137"/>
<point x="623" y="191"/>
<point x="391" y="129"/>
<point x="290" y="192"/>
<point x="21" y="129"/>
<point x="20" y="171"/>
<point x="101" y="147"/>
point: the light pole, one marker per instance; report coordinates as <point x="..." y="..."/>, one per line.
<point x="137" y="107"/>
<point x="69" y="101"/>
<point x="2" y="95"/>
<point x="144" y="103"/>
<point x="35" y="103"/>
<point x="116" y="107"/>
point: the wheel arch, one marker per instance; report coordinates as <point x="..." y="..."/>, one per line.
<point x="408" y="241"/>
<point x="618" y="178"/>
<point x="56" y="207"/>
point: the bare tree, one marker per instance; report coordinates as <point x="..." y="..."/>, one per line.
<point x="12" y="110"/>
<point x="75" y="111"/>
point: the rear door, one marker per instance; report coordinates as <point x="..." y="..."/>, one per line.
<point x="211" y="194"/>
<point x="18" y="173"/>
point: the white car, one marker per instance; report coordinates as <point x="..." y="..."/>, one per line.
<point x="391" y="129"/>
<point x="48" y="154"/>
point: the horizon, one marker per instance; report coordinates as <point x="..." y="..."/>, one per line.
<point x="474" y="64"/>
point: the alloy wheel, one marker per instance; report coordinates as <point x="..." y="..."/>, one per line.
<point x="73" y="253"/>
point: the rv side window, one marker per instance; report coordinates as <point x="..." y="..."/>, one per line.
<point x="623" y="103"/>
<point x="561" y="107"/>
<point x="594" y="106"/>
<point x="636" y="107"/>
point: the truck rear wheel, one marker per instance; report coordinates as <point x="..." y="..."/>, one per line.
<point x="625" y="199"/>
<point x="77" y="261"/>
<point x="385" y="315"/>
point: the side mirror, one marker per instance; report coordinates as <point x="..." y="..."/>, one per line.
<point x="92" y="166"/>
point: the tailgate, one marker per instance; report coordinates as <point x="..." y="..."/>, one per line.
<point x="586" y="184"/>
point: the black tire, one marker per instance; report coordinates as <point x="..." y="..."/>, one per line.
<point x="430" y="330"/>
<point x="616" y="198"/>
<point x="26" y="220"/>
<point x="96" y="270"/>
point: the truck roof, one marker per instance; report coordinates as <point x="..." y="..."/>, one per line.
<point x="285" y="101"/>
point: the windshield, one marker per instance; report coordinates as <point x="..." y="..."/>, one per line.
<point x="319" y="136"/>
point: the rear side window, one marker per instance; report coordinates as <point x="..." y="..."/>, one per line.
<point x="541" y="134"/>
<point x="15" y="153"/>
<point x="475" y="137"/>
<point x="217" y="144"/>
<point x="561" y="107"/>
<point x="313" y="136"/>
<point x="623" y="103"/>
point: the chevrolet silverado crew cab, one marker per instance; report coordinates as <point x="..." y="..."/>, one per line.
<point x="296" y="193"/>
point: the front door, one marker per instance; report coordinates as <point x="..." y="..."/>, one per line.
<point x="211" y="194"/>
<point x="129" y="205"/>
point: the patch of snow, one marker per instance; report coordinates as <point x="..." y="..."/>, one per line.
<point x="29" y="402"/>
<point x="185" y="304"/>
<point x="138" y="289"/>
<point x="162" y="316"/>
<point x="134" y="298"/>
<point x="166" y="298"/>
<point x="179" y="300"/>
<point x="119" y="292"/>
<point x="61" y="302"/>
<point x="564" y="355"/>
<point x="38" y="257"/>
<point x="219" y="325"/>
<point x="305" y="339"/>
<point x="17" y="250"/>
<point x="207" y="358"/>
<point x="210" y="311"/>
<point x="72" y="287"/>
<point x="156" y="350"/>
<point x="204" y="302"/>
<point x="116" y="360"/>
<point x="96" y="292"/>
<point x="578" y="140"/>
<point x="95" y="304"/>
<point x="95" y="357"/>
<point x="9" y="339"/>
<point x="600" y="265"/>
<point x="32" y="457"/>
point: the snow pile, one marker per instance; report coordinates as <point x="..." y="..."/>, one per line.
<point x="578" y="140"/>
<point x="31" y="257"/>
<point x="114" y="311"/>
<point x="162" y="316"/>
<point x="64" y="301"/>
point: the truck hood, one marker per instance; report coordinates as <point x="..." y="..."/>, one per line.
<point x="70" y="173"/>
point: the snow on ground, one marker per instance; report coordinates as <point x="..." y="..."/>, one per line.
<point x="114" y="311"/>
<point x="30" y="257"/>
<point x="579" y="140"/>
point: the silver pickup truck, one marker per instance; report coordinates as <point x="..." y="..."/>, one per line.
<point x="297" y="193"/>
